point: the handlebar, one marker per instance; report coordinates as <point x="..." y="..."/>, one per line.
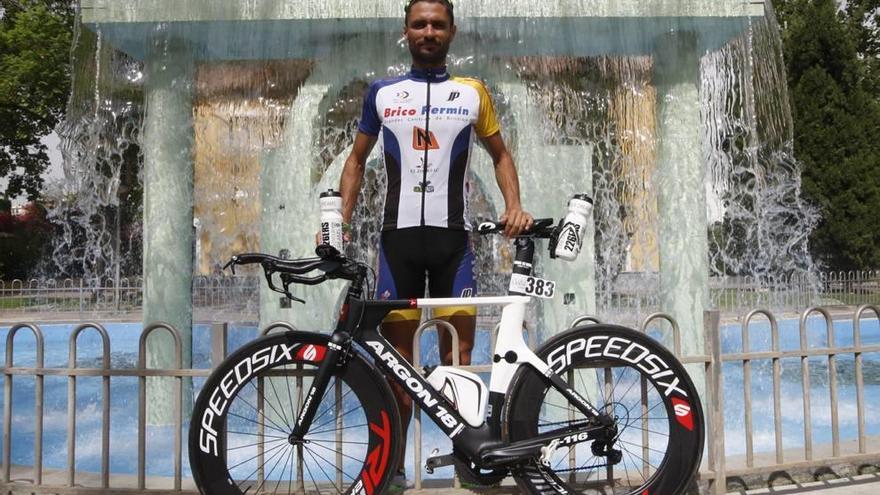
<point x="329" y="261"/>
<point x="542" y="228"/>
<point x="335" y="266"/>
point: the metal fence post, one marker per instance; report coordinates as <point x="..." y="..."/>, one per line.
<point x="715" y="400"/>
<point x="219" y="343"/>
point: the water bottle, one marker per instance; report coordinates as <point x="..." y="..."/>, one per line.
<point x="571" y="236"/>
<point x="331" y="219"/>
<point x="464" y="390"/>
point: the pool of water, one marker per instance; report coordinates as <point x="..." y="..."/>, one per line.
<point x="123" y="426"/>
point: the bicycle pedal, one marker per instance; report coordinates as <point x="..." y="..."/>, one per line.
<point x="437" y="461"/>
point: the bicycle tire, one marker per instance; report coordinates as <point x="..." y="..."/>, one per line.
<point x="661" y="447"/>
<point x="244" y="409"/>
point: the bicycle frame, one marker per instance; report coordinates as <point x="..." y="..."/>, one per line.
<point x="510" y="354"/>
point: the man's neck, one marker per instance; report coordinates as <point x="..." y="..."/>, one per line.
<point x="429" y="67"/>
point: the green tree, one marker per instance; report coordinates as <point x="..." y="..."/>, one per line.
<point x="836" y="126"/>
<point x="35" y="38"/>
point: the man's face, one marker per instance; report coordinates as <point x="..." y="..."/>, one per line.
<point x="429" y="33"/>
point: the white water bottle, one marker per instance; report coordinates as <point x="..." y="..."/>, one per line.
<point x="571" y="236"/>
<point x="331" y="219"/>
<point x="464" y="390"/>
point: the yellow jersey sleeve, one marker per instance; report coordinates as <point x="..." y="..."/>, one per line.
<point x="487" y="122"/>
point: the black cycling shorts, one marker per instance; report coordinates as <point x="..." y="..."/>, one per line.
<point x="406" y="256"/>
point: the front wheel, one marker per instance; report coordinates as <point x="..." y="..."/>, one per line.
<point x="658" y="431"/>
<point x="240" y="435"/>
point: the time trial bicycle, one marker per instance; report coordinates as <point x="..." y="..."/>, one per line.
<point x="597" y="409"/>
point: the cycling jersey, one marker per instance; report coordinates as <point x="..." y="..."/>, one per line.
<point x="427" y="117"/>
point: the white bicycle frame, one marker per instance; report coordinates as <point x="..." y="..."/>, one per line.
<point x="510" y="347"/>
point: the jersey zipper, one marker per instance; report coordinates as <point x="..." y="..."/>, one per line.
<point x="428" y="145"/>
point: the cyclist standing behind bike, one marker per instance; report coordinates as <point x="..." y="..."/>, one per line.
<point x="427" y="121"/>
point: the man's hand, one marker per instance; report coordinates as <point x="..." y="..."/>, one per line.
<point x="515" y="221"/>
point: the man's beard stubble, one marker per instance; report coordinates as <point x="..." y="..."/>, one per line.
<point x="438" y="57"/>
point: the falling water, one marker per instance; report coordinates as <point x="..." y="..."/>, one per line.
<point x="593" y="117"/>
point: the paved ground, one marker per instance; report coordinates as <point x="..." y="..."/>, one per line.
<point x="860" y="485"/>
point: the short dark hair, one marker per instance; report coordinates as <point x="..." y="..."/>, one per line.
<point x="446" y="3"/>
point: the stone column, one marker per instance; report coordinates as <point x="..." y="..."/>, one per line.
<point x="680" y="180"/>
<point x="168" y="212"/>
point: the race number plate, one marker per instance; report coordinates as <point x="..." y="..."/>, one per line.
<point x="532" y="286"/>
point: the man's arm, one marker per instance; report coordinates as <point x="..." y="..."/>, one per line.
<point x="353" y="173"/>
<point x="515" y="218"/>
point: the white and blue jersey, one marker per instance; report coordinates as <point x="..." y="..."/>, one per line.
<point x="426" y="122"/>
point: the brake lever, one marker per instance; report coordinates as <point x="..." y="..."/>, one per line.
<point x="291" y="296"/>
<point x="286" y="291"/>
<point x="232" y="262"/>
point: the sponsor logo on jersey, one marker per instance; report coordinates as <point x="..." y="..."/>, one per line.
<point x="453" y="96"/>
<point x="401" y="97"/>
<point x="424" y="140"/>
<point x="445" y="110"/>
<point x="424" y="186"/>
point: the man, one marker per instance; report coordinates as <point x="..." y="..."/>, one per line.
<point x="427" y="121"/>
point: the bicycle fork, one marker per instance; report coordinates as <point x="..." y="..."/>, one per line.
<point x="335" y="350"/>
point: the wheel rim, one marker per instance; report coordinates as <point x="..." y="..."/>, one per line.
<point x="348" y="448"/>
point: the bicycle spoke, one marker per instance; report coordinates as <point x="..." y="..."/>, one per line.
<point x="635" y="464"/>
<point x="633" y="384"/>
<point x="283" y="409"/>
<point x="623" y="370"/>
<point x="290" y="461"/>
<point x="333" y="406"/>
<point x="648" y="412"/>
<point x="585" y="388"/>
<point x="259" y="413"/>
<point x="338" y="469"/>
<point x="335" y="441"/>
<point x="230" y="413"/>
<point x="640" y="458"/>
<point x="620" y="440"/>
<point x="230" y="468"/>
<point x="261" y="397"/>
<point x="258" y="467"/>
<point x="306" y="465"/>
<point x="338" y="452"/>
<point x="322" y="471"/>
<point x="325" y="423"/>
<point x="255" y="444"/>
<point x="338" y="429"/>
<point x="290" y="478"/>
<point x="266" y="477"/>
<point x="228" y="432"/>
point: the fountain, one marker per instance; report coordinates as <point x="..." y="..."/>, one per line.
<point x="655" y="107"/>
